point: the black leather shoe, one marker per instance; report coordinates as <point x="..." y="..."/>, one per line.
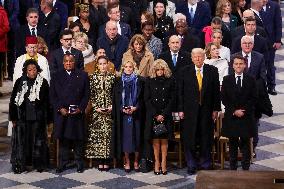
<point x="272" y="91"/>
<point x="59" y="170"/>
<point x="157" y="173"/>
<point x="80" y="169"/>
<point x="191" y="171"/>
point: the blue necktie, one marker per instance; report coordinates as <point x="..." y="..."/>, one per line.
<point x="174" y="59"/>
<point x="191" y="14"/>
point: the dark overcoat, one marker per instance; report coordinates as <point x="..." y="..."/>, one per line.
<point x="234" y="99"/>
<point x="65" y="90"/>
<point x="159" y="98"/>
<point x="116" y="149"/>
<point x="196" y="115"/>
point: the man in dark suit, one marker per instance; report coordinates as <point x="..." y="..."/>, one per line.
<point x="113" y="13"/>
<point x="51" y="21"/>
<point x="113" y="43"/>
<point x="69" y="94"/>
<point x="62" y="10"/>
<point x="186" y="34"/>
<point x="255" y="68"/>
<point x="255" y="61"/>
<point x="29" y="29"/>
<point x="198" y="14"/>
<point x="260" y="43"/>
<point x="239" y="97"/>
<point x="56" y="58"/>
<point x="240" y="30"/>
<point x="271" y="16"/>
<point x="174" y="57"/>
<point x="98" y="13"/>
<point x="126" y="15"/>
<point x="199" y="103"/>
<point x="256" y="6"/>
<point x="24" y="6"/>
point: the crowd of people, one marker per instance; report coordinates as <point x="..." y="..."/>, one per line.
<point x="114" y="78"/>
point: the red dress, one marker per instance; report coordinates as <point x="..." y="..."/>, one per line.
<point x="4" y="28"/>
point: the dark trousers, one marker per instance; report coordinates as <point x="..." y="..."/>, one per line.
<point x="201" y="156"/>
<point x="244" y="144"/>
<point x="65" y="145"/>
<point x="270" y="69"/>
<point x="255" y="137"/>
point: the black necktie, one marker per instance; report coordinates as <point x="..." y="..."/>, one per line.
<point x="247" y="63"/>
<point x="67" y="52"/>
<point x="33" y="32"/>
<point x="239" y="82"/>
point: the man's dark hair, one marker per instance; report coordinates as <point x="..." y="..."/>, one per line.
<point x="73" y="25"/>
<point x="65" y="32"/>
<point x="240" y="58"/>
<point x="29" y="62"/>
<point x="31" y="10"/>
<point x="249" y="19"/>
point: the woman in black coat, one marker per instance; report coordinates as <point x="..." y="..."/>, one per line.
<point x="28" y="111"/>
<point x="127" y="115"/>
<point x="163" y="23"/>
<point x="159" y="98"/>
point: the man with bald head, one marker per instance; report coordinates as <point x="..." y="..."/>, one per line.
<point x="198" y="106"/>
<point x="174" y="57"/>
<point x="240" y="30"/>
<point x="113" y="43"/>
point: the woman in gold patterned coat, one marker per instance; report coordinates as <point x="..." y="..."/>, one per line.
<point x="100" y="125"/>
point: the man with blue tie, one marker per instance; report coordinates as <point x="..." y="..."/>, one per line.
<point x="198" y="14"/>
<point x="239" y="97"/>
<point x="175" y="58"/>
<point x="272" y="21"/>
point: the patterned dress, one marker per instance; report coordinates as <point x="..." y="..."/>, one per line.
<point x="100" y="127"/>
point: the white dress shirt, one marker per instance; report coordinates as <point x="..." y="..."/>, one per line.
<point x="242" y="77"/>
<point x="30" y="27"/>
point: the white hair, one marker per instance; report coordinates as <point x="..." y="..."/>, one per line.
<point x="178" y="16"/>
<point x="247" y="37"/>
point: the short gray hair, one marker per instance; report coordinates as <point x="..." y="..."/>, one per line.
<point x="247" y="37"/>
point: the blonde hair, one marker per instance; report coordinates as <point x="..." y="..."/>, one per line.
<point x="140" y="39"/>
<point x="197" y="51"/>
<point x="160" y="64"/>
<point x="124" y="64"/>
<point x="40" y="40"/>
<point x="208" y="49"/>
<point x="219" y="7"/>
<point x="82" y="35"/>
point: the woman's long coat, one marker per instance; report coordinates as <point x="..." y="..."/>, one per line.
<point x="116" y="150"/>
<point x="159" y="99"/>
<point x="145" y="64"/>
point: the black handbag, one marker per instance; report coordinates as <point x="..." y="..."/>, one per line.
<point x="159" y="128"/>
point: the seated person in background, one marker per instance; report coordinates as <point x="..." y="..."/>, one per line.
<point x="113" y="43"/>
<point x="154" y="44"/>
<point x="42" y="47"/>
<point x="31" y="53"/>
<point x="82" y="43"/>
<point x="91" y="67"/>
<point x="213" y="58"/>
<point x="217" y="38"/>
<point x="56" y="58"/>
